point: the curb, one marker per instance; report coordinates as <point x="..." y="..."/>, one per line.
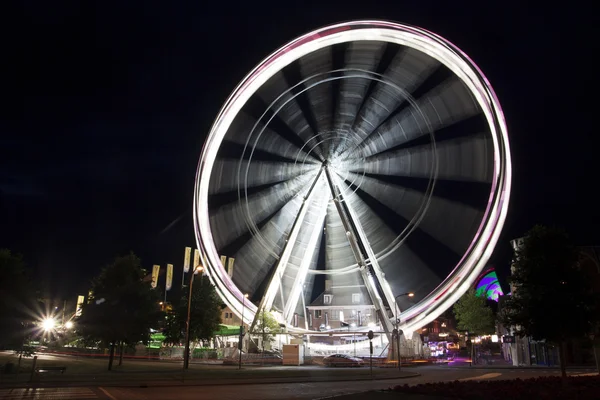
<point x="214" y="383"/>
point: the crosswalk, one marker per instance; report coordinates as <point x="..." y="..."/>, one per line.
<point x="74" y="393"/>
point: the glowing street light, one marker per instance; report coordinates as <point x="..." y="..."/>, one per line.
<point x="48" y="324"/>
<point x="69" y="324"/>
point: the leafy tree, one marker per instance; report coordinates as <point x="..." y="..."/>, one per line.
<point x="551" y="297"/>
<point x="17" y="298"/>
<point x="266" y="327"/>
<point x="205" y="314"/>
<point x="473" y="315"/>
<point x="123" y="306"/>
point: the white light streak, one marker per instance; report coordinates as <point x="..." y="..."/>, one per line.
<point x="419" y="39"/>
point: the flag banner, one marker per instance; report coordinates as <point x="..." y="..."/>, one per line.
<point x="169" y="277"/>
<point x="80" y="300"/>
<point x="204" y="264"/>
<point x="196" y="258"/>
<point x="230" y="266"/>
<point x="155" y="272"/>
<point x="186" y="259"/>
<point x="224" y="262"/>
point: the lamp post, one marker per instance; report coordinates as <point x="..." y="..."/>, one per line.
<point x="186" y="354"/>
<point x="409" y="294"/>
<point x="242" y="331"/>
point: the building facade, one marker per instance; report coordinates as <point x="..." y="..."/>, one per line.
<point x="341" y="306"/>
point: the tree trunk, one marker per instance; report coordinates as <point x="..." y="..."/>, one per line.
<point x="111" y="355"/>
<point x="596" y="348"/>
<point x="563" y="361"/>
<point x="121" y="349"/>
<point x="472" y="353"/>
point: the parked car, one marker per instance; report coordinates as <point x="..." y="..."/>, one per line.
<point x="342" y="360"/>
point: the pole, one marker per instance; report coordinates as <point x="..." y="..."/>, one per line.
<point x="165" y="302"/>
<point x="186" y="354"/>
<point x="241" y="333"/>
<point x="398" y="332"/>
<point x="596" y="348"/>
<point x="33" y="369"/>
<point x="370" y="336"/>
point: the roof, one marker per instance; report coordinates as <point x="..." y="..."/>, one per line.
<point x="342" y="297"/>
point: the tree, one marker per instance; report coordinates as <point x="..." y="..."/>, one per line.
<point x="17" y="299"/>
<point x="205" y="314"/>
<point x="551" y="298"/>
<point x="266" y="327"/>
<point x="122" y="307"/>
<point x="473" y="315"/>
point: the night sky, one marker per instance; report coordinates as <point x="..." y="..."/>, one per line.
<point x="107" y="106"/>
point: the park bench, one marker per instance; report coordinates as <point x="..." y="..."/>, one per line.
<point x="50" y="369"/>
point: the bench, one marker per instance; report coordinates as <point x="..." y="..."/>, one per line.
<point x="50" y="369"/>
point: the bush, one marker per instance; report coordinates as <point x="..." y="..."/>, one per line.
<point x="542" y="388"/>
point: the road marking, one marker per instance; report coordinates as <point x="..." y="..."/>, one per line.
<point x="484" y="376"/>
<point x="129" y="393"/>
<point x="47" y="394"/>
<point x="110" y="396"/>
<point x="586" y="374"/>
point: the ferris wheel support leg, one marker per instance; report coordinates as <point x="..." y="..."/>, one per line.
<point x="274" y="283"/>
<point x="311" y="247"/>
<point x="378" y="272"/>
<point x="366" y="273"/>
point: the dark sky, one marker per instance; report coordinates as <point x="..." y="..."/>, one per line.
<point x="109" y="104"/>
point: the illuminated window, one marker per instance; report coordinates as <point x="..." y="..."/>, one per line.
<point x="335" y="315"/>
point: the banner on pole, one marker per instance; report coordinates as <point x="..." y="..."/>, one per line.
<point x="230" y="266"/>
<point x="186" y="259"/>
<point x="155" y="272"/>
<point x="224" y="262"/>
<point x="169" y="282"/>
<point x="80" y="301"/>
<point x="196" y="258"/>
<point x="204" y="264"/>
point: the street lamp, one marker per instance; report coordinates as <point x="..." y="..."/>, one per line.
<point x="186" y="354"/>
<point x="242" y="330"/>
<point x="48" y="324"/>
<point x="396" y="309"/>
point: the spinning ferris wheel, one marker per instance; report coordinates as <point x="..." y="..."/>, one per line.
<point x="367" y="155"/>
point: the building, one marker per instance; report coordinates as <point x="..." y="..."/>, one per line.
<point x="341" y="306"/>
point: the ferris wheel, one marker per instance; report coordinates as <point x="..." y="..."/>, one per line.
<point x="367" y="155"/>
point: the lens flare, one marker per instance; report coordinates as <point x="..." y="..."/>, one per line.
<point x="48" y="324"/>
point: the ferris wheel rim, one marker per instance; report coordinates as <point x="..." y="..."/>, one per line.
<point x="385" y="31"/>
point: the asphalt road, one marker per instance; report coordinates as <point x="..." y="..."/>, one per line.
<point x="317" y="390"/>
